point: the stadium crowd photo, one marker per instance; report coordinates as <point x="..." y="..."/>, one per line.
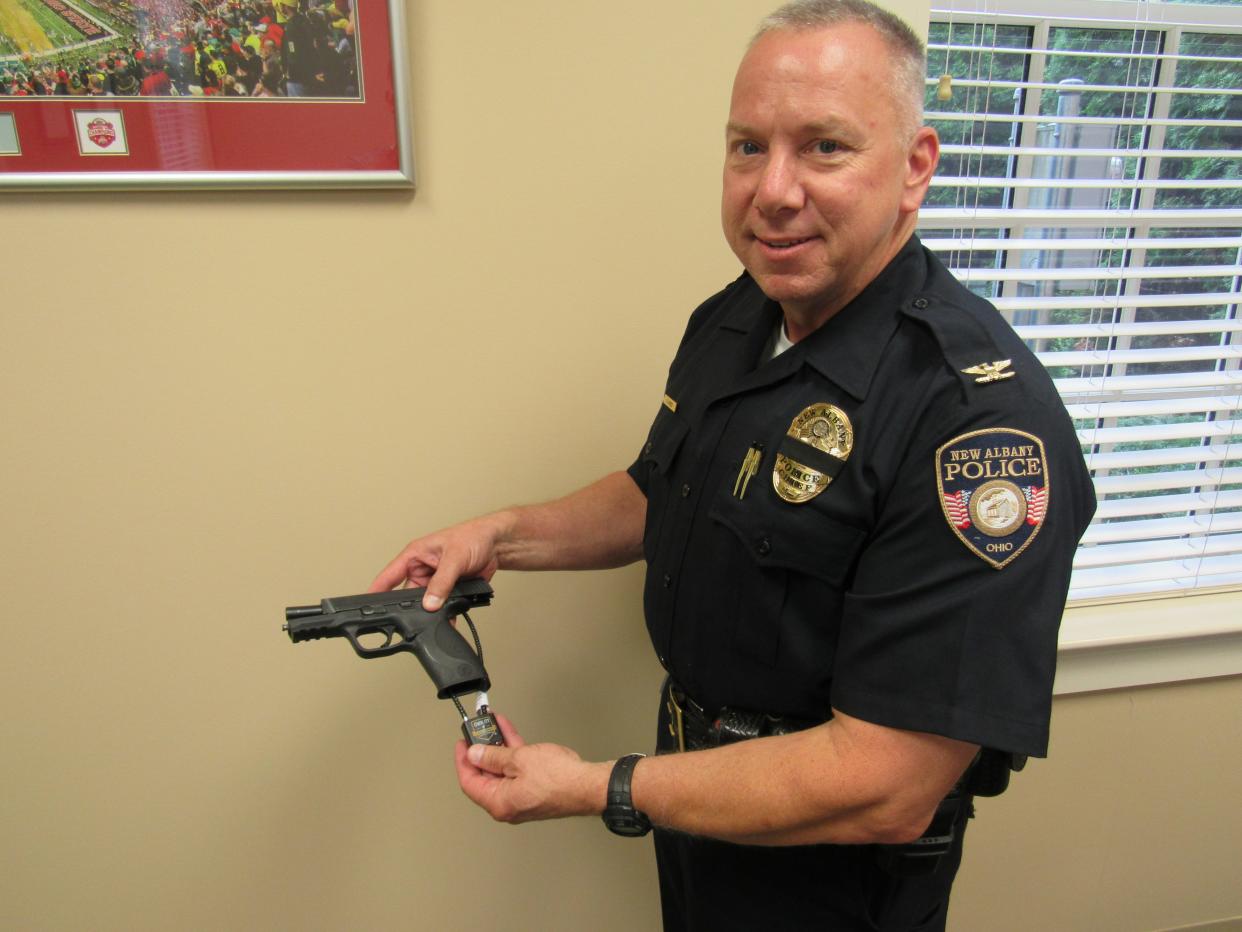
<point x="178" y="48"/>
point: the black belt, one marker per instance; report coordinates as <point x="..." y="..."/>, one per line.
<point x="695" y="728"/>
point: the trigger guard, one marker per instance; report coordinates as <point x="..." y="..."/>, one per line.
<point x="383" y="650"/>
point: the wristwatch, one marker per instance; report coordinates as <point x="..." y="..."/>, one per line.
<point x="619" y="813"/>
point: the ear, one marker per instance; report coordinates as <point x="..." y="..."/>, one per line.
<point x="921" y="161"/>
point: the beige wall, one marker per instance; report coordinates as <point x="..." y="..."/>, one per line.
<point x="216" y="405"/>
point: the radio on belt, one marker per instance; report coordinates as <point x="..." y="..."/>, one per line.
<point x="407" y="627"/>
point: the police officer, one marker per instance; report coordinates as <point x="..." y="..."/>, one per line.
<point x="858" y="504"/>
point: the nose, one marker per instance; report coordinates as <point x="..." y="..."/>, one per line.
<point x="780" y="188"/>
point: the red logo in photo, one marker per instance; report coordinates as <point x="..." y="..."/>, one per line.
<point x="101" y="132"/>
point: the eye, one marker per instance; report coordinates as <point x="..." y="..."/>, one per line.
<point x="746" y="147"/>
<point x="825" y="147"/>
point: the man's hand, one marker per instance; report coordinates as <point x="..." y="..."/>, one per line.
<point x="438" y="560"/>
<point x="528" y="782"/>
<point x="597" y="527"/>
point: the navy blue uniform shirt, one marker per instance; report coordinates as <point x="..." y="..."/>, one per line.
<point x="922" y="587"/>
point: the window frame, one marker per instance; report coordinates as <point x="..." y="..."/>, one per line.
<point x="1119" y="641"/>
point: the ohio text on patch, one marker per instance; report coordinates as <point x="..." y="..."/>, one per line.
<point x="994" y="491"/>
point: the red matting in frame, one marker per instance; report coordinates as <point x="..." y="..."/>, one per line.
<point x="229" y="135"/>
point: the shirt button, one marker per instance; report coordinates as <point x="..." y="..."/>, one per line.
<point x="764" y="547"/>
<point x="647" y="448"/>
<point x="668" y="581"/>
<point x="920" y="303"/>
<point x="685" y="490"/>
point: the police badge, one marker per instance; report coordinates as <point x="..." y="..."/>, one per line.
<point x="994" y="491"/>
<point x="812" y="452"/>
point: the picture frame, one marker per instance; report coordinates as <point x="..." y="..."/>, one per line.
<point x="192" y="94"/>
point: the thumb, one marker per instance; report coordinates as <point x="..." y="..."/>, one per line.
<point x="489" y="757"/>
<point x="440" y="585"/>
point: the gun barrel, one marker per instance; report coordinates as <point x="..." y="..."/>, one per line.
<point x="294" y="612"/>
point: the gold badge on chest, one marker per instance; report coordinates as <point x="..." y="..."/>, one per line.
<point x="825" y="428"/>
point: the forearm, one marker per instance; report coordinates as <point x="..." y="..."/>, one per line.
<point x="844" y="782"/>
<point x="597" y="527"/>
<point x="750" y="793"/>
<point x="769" y="791"/>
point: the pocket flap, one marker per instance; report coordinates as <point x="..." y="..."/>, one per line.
<point x="665" y="439"/>
<point x="793" y="537"/>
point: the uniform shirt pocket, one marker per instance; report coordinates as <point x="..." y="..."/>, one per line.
<point x="658" y="456"/>
<point x="787" y="567"/>
<point x="800" y="538"/>
<point x="667" y="433"/>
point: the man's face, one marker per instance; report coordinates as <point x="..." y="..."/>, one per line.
<point x="820" y="186"/>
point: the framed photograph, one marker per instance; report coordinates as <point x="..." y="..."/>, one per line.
<point x="203" y="93"/>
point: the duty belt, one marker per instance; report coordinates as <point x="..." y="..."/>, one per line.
<point x="695" y="728"/>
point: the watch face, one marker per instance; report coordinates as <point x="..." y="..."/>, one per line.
<point x="625" y="821"/>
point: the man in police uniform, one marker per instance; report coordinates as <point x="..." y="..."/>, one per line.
<point x="858" y="504"/>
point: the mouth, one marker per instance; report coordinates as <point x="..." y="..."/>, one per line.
<point x="783" y="246"/>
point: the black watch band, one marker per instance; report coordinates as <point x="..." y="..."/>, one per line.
<point x="619" y="813"/>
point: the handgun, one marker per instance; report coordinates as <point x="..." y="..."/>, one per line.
<point x="399" y="616"/>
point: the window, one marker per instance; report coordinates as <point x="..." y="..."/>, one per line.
<point x="1090" y="186"/>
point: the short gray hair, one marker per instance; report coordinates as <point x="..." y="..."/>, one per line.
<point x="909" y="53"/>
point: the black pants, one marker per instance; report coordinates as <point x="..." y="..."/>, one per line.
<point x="715" y="886"/>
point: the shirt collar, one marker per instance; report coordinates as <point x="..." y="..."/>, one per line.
<point x="848" y="347"/>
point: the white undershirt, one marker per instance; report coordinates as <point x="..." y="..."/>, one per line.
<point x="779" y="342"/>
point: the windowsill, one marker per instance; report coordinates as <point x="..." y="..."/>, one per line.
<point x="1159" y="640"/>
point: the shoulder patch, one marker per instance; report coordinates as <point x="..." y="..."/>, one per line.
<point x="994" y="489"/>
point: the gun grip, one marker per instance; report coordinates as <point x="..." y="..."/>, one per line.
<point x="451" y="663"/>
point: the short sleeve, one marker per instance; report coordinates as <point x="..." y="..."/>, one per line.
<point x="638" y="473"/>
<point x="944" y="630"/>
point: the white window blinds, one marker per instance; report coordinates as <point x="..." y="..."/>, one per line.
<point x="1091" y="187"/>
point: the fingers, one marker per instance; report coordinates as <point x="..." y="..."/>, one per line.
<point x="534" y="781"/>
<point x="438" y="577"/>
<point x="482" y="770"/>
<point x="481" y="754"/>
<point x="490" y="758"/>
<point x="485" y="787"/>
<point x="473" y="781"/>
<point x="409" y="565"/>
<point x="476" y="756"/>
<point x="510" y="734"/>
<point x="459" y="759"/>
<point x="389" y="578"/>
<point x="438" y="560"/>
